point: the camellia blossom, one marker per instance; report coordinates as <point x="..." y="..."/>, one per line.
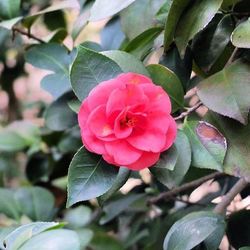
<point x="127" y="120"/>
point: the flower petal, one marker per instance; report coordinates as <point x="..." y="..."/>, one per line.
<point x="91" y="142"/>
<point x="148" y="140"/>
<point x="100" y="94"/>
<point x="119" y="130"/>
<point x="122" y="152"/>
<point x="83" y="114"/>
<point x="130" y="95"/>
<point x="99" y="124"/>
<point x="147" y="160"/>
<point x="133" y="78"/>
<point x="171" y="133"/>
<point x="159" y="99"/>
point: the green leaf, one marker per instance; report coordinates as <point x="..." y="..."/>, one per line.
<point x="105" y="8"/>
<point x="162" y="13"/>
<point x="115" y="208"/>
<point x="3" y="233"/>
<point x="19" y="135"/>
<point x="35" y="202"/>
<point x="121" y="179"/>
<point x="102" y="240"/>
<point x="89" y="177"/>
<point x="59" y="116"/>
<point x="56" y="58"/>
<point x="245" y="248"/>
<point x="169" y="82"/>
<point x="210" y="43"/>
<point x="82" y="19"/>
<point x="192" y="229"/>
<point x="60" y="239"/>
<point x="72" y="217"/>
<point x="143" y="43"/>
<point x="136" y="13"/>
<point x="112" y="35"/>
<point x="181" y="67"/>
<point x="8" y="204"/>
<point x="226" y="92"/>
<point x="173" y="17"/>
<point x="193" y="20"/>
<point x="57" y="36"/>
<point x="22" y="234"/>
<point x="241" y="221"/>
<point x="208" y="145"/>
<point x="241" y="35"/>
<point x="8" y="24"/>
<point x="174" y="163"/>
<point x="237" y="160"/>
<point x="89" y="69"/>
<point x="65" y="4"/>
<point x="126" y="61"/>
<point x="9" y="8"/>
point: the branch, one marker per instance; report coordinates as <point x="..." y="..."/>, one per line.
<point x="190" y="110"/>
<point x="25" y="33"/>
<point x="187" y="186"/>
<point x="228" y="198"/>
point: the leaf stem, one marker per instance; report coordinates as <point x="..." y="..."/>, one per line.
<point x="228" y="198"/>
<point x="25" y="33"/>
<point x="189" y="110"/>
<point x="187" y="186"/>
<point x="230" y="60"/>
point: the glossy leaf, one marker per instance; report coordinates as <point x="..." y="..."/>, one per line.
<point x="9" y="8"/>
<point x="56" y="58"/>
<point x="60" y="239"/>
<point x="226" y="92"/>
<point x="89" y="177"/>
<point x="89" y="69"/>
<point x="102" y="240"/>
<point x="143" y="43"/>
<point x="120" y="180"/>
<point x="174" y="163"/>
<point x="18" y="237"/>
<point x="169" y="82"/>
<point x="106" y="8"/>
<point x="59" y="116"/>
<point x="8" y="24"/>
<point x="181" y="67"/>
<point x="19" y="135"/>
<point x="192" y="230"/>
<point x="115" y="208"/>
<point x="8" y="204"/>
<point x="209" y="44"/>
<point x="112" y="35"/>
<point x="173" y="17"/>
<point x="194" y="20"/>
<point x="126" y="61"/>
<point x="241" y="35"/>
<point x="136" y="13"/>
<point x="237" y="160"/>
<point x="35" y="202"/>
<point x="208" y="145"/>
<point x="72" y="217"/>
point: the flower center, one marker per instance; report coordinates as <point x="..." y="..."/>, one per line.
<point x="128" y="122"/>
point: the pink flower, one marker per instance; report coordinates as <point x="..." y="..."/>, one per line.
<point x="127" y="120"/>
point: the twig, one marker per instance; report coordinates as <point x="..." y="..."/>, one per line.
<point x="190" y="110"/>
<point x="228" y="198"/>
<point x="25" y="33"/>
<point x="187" y="186"/>
<point x="230" y="60"/>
